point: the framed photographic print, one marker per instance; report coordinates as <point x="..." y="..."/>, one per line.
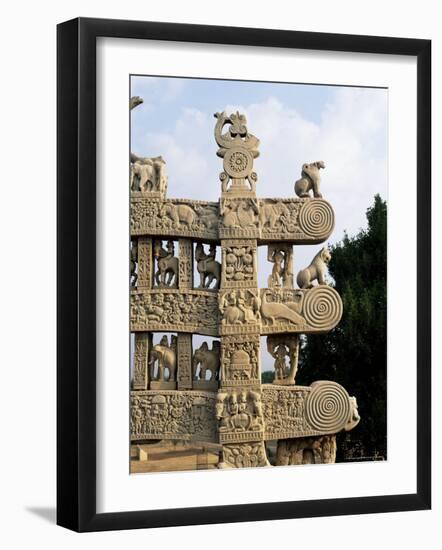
<point x="243" y="274"/>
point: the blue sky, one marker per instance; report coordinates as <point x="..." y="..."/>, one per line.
<point x="296" y="123"/>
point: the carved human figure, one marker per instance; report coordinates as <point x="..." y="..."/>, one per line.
<point x="316" y="271"/>
<point x="208" y="268"/>
<point x="167" y="272"/>
<point x="281" y="255"/>
<point x="206" y="360"/>
<point x="310" y="180"/>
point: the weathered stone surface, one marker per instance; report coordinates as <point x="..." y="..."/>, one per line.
<point x="213" y="393"/>
<point x="173" y="415"/>
<point x="174" y="310"/>
<point x="241" y="414"/>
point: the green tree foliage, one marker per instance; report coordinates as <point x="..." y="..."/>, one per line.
<point x="355" y="352"/>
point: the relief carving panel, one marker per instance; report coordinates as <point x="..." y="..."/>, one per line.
<point x="174" y="310"/>
<point x="173" y="415"/>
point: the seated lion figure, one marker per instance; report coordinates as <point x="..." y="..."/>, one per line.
<point x="315" y="271"/>
<point x="309" y="180"/>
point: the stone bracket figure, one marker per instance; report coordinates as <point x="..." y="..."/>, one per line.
<point x="316" y="271"/>
<point x="282" y="349"/>
<point x="281" y="255"/>
<point x="310" y="179"/>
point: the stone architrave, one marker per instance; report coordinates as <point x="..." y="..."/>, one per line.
<point x="214" y="393"/>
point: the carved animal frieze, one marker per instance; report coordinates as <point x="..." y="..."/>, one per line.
<point x="300" y="221"/>
<point x="175" y="310"/>
<point x="174" y="217"/>
<point x="310" y="180"/>
<point x="170" y="414"/>
<point x="239" y="218"/>
<point x="294" y="310"/>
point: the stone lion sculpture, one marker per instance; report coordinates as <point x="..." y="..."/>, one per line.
<point x="315" y="271"/>
<point x="309" y="180"/>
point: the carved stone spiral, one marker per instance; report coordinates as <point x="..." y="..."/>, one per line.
<point x="322" y="307"/>
<point x="317" y="219"/>
<point x="327" y="407"/>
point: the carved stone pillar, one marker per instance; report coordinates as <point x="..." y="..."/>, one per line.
<point x="143" y="342"/>
<point x="184" y="361"/>
<point x="185" y="277"/>
<point x="145" y="261"/>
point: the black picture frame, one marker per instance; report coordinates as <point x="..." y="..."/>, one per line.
<point x="76" y="274"/>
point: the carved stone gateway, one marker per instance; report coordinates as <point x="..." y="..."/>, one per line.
<point x="193" y="271"/>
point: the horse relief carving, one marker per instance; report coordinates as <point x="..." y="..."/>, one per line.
<point x="167" y="264"/>
<point x="208" y="268"/>
<point x="310" y="180"/>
